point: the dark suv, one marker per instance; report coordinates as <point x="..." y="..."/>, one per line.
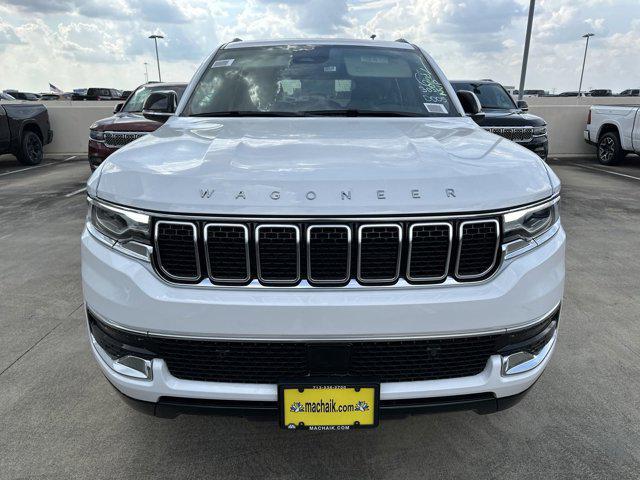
<point x="505" y="117"/>
<point x="127" y="123"/>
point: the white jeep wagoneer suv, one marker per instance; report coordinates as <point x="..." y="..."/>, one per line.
<point x="321" y="232"/>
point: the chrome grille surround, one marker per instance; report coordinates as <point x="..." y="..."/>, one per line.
<point x="373" y="280"/>
<point x="113" y="139"/>
<point x="447" y="225"/>
<point x="347" y="276"/>
<point x="515" y="134"/>
<point x="158" y="250"/>
<point x="460" y="246"/>
<point x="207" y="253"/>
<point x="259" y="266"/>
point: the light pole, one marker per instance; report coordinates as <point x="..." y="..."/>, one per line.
<point x="584" y="60"/>
<point x="146" y="72"/>
<point x="155" y="39"/>
<point x="525" y="55"/>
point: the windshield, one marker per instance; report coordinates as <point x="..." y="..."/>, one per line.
<point x="491" y="95"/>
<point x="136" y="100"/>
<point x="319" y="80"/>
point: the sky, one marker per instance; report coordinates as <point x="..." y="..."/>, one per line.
<point x="104" y="43"/>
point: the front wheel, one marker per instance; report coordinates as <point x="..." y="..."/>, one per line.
<point x="609" y="149"/>
<point x="31" y="150"/>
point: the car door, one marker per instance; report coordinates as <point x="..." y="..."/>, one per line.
<point x="635" y="134"/>
<point x="5" y="138"/>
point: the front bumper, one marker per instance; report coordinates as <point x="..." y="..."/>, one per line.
<point x="98" y="152"/>
<point x="127" y="294"/>
<point x="539" y="145"/>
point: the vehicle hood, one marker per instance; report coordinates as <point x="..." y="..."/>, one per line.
<point x="321" y="166"/>
<point x="126" y="122"/>
<point x="510" y="118"/>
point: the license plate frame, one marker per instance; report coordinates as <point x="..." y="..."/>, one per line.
<point x="330" y="389"/>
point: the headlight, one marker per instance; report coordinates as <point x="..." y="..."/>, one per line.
<point x="97" y="135"/>
<point x="530" y="223"/>
<point x="539" y="131"/>
<point x="119" y="224"/>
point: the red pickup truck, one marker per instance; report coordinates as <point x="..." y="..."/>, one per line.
<point x="126" y="124"/>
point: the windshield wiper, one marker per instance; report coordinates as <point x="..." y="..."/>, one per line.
<point x="246" y="113"/>
<point x="354" y="112"/>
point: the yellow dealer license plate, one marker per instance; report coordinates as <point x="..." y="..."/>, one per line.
<point x="328" y="407"/>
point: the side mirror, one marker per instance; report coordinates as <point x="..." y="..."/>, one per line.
<point x="118" y="107"/>
<point x="471" y="105"/>
<point x="522" y="105"/>
<point x="161" y="105"/>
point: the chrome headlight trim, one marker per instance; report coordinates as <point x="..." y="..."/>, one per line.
<point x="523" y="230"/>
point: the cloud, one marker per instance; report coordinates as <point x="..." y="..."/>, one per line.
<point x="8" y="35"/>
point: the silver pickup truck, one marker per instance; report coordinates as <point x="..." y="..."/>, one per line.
<point x="615" y="130"/>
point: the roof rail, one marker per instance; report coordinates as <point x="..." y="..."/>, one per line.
<point x="236" y="40"/>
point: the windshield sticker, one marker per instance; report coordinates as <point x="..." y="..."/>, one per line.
<point x="332" y="68"/>
<point x="436" y="108"/>
<point x="431" y="89"/>
<point x="373" y="59"/>
<point x="223" y="63"/>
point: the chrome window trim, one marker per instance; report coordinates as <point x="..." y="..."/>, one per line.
<point x="309" y="269"/>
<point x="195" y="244"/>
<point x="460" y="241"/>
<point x="257" y="244"/>
<point x="246" y="252"/>
<point x="446" y="268"/>
<point x="398" y="263"/>
<point x="327" y="218"/>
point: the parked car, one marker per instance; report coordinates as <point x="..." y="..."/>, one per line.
<point x="322" y="233"/>
<point x="569" y="94"/>
<point x="631" y="92"/>
<point x="125" y="94"/>
<point x="126" y="124"/>
<point x="103" y="94"/>
<point x="615" y="130"/>
<point x="506" y="117"/>
<point x="6" y="96"/>
<point x="47" y="97"/>
<point x="600" y="92"/>
<point x="24" y="130"/>
<point x="32" y="97"/>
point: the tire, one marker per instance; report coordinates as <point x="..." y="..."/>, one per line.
<point x="31" y="149"/>
<point x="609" y="149"/>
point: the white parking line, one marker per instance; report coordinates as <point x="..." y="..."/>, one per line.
<point x="80" y="190"/>
<point x="38" y="166"/>
<point x="606" y="171"/>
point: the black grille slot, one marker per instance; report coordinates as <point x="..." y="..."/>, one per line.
<point x="379" y="254"/>
<point x="478" y="248"/>
<point x="176" y="243"/>
<point x="430" y="249"/>
<point x="278" y="253"/>
<point x="329" y="253"/>
<point x="227" y="251"/>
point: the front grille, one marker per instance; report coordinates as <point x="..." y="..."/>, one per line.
<point x="120" y="139"/>
<point x="327" y="254"/>
<point x="515" y="134"/>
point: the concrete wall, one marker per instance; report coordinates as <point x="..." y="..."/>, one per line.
<point x="566" y="117"/>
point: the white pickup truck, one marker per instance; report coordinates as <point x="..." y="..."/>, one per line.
<point x="615" y="130"/>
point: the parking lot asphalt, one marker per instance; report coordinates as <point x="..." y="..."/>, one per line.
<point x="59" y="418"/>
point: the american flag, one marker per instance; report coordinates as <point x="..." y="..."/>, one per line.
<point x="55" y="89"/>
